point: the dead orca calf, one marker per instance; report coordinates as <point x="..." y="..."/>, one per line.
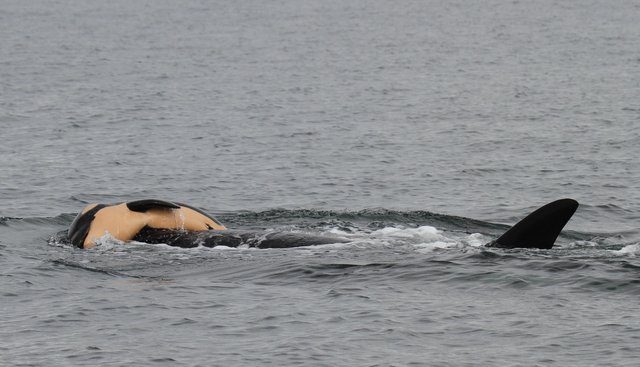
<point x="176" y="224"/>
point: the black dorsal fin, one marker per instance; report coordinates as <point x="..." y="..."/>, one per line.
<point x="144" y="205"/>
<point x="540" y="228"/>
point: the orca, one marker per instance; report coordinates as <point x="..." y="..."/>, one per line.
<point x="233" y="238"/>
<point x="125" y="220"/>
<point x="175" y="224"/>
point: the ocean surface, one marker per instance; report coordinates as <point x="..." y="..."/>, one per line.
<point x="418" y="130"/>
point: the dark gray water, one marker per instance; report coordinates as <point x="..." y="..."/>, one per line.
<point x="416" y="129"/>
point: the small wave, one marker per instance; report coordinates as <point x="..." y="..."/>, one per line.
<point x="423" y="232"/>
<point x="108" y="242"/>
<point x="437" y="245"/>
<point x="377" y="218"/>
<point x="107" y="269"/>
<point x="61" y="219"/>
<point x="629" y="250"/>
<point x="422" y="239"/>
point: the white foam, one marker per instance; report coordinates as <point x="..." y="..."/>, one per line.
<point x="424" y="233"/>
<point x="107" y="242"/>
<point x="475" y="240"/>
<point x="580" y="244"/>
<point x="425" y="239"/>
<point x="430" y="247"/>
<point x="339" y="232"/>
<point x="329" y="245"/>
<point x="226" y="248"/>
<point x="629" y="250"/>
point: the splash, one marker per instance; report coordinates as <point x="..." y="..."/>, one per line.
<point x="629" y="250"/>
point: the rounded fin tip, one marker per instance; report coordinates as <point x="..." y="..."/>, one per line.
<point x="541" y="228"/>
